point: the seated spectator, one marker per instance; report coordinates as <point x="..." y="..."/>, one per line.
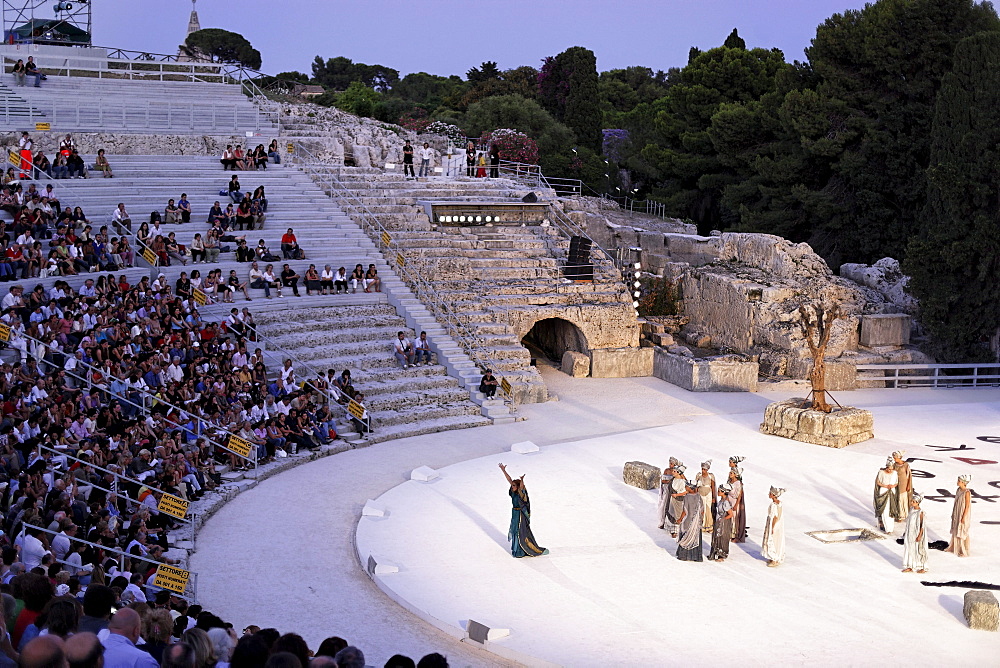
<point x="228" y="159"/>
<point x="121" y="217"/>
<point x="214" y="213"/>
<point x="362" y="424"/>
<point x="244" y="219"/>
<point x="257" y="281"/>
<point x="241" y="158"/>
<point x="101" y="164"/>
<point x="174" y="249"/>
<point x="243" y="252"/>
<point x="272" y="152"/>
<point x="171" y="213"/>
<point x="185" y="207"/>
<point x="77" y="168"/>
<point x="403" y="350"/>
<point x="211" y="247"/>
<point x="18" y="72"/>
<point x="270" y="278"/>
<point x="60" y="167"/>
<point x="236" y="285"/>
<point x="488" y="384"/>
<point x="235" y="193"/>
<point x="259" y="196"/>
<point x="197" y="249"/>
<point x="31" y="70"/>
<point x="290" y="279"/>
<point x="290" y="247"/>
<point x="340" y="280"/>
<point x="326" y="281"/>
<point x="372" y="279"/>
<point x="42" y="164"/>
<point x="357" y="277"/>
<point x="264" y="253"/>
<point x="312" y="280"/>
<point x="260" y="157"/>
<point x="422" y="349"/>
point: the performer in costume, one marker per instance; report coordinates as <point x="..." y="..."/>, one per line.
<point x="706" y="488"/>
<point x="905" y="487"/>
<point x="690" y="520"/>
<point x="773" y="545"/>
<point x="886" y="496"/>
<point x="739" y="533"/>
<point x="522" y="542"/>
<point x="960" y="518"/>
<point x="676" y="504"/>
<point x="27" y="156"/>
<point x="915" y="538"/>
<point x="723" y="525"/>
<point x="664" y="500"/>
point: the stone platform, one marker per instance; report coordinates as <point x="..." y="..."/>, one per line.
<point x="837" y="429"/>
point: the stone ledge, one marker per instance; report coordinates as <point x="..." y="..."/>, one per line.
<point x="837" y="429"/>
<point x="705" y="375"/>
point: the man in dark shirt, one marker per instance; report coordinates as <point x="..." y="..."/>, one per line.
<point x="290" y="279"/>
<point x="408" y="160"/>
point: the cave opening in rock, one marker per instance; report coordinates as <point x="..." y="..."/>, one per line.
<point x="551" y="337"/>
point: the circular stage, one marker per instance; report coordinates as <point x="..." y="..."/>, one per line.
<point x="611" y="591"/>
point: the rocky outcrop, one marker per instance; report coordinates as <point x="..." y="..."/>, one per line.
<point x="641" y="475"/>
<point x="886" y="278"/>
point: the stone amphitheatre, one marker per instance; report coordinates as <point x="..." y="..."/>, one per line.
<point x="395" y="539"/>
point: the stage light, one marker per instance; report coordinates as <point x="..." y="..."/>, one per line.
<point x="461" y="219"/>
<point x="636" y="294"/>
<point x="635" y="305"/>
<point x="479" y="219"/>
<point x="637" y="274"/>
<point x="63" y="7"/>
<point x="637" y="265"/>
<point x="488" y="219"/>
<point x="637" y="284"/>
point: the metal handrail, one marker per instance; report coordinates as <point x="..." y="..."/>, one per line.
<point x="268" y="344"/>
<point x="934" y="379"/>
<point x="192" y="582"/>
<point x="152" y="398"/>
<point x="383" y="239"/>
<point x="189" y="521"/>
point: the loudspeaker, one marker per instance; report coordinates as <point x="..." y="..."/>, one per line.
<point x="578" y="266"/>
<point x="481" y="633"/>
<point x="530" y="198"/>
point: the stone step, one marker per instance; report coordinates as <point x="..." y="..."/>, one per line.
<point x="407" y="414"/>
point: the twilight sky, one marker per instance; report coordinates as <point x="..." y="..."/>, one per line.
<point x="450" y="36"/>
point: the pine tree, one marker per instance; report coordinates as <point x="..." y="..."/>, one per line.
<point x="954" y="261"/>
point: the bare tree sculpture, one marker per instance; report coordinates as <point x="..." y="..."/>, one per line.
<point x="816" y="328"/>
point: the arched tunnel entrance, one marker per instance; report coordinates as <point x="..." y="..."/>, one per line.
<point x="551" y="337"/>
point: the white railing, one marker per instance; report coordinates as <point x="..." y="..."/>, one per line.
<point x="128" y="115"/>
<point x="931" y="375"/>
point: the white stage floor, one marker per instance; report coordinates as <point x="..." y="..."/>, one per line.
<point x="612" y="593"/>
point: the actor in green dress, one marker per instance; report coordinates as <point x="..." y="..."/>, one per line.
<point x="522" y="542"/>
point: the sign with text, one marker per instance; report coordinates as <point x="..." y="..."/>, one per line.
<point x="200" y="297"/>
<point x="356" y="409"/>
<point x="4" y="333"/>
<point x="238" y="445"/>
<point x="172" y="505"/>
<point x="149" y="256"/>
<point x="290" y="148"/>
<point x="386" y="238"/>
<point x="505" y="385"/>
<point x="172" y="578"/>
<point x="43" y="127"/>
<point x="14" y="159"/>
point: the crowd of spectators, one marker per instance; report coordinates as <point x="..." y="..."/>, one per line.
<point x="51" y="620"/>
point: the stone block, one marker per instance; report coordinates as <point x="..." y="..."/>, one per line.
<point x="981" y="610"/>
<point x="372" y="510"/>
<point x="641" y="475"/>
<point x="576" y="364"/>
<point x="885" y="330"/>
<point x="524" y="447"/>
<point x="662" y="339"/>
<point x="841" y="375"/>
<point x="423" y="474"/>
<point x="837" y="429"/>
<point x="621" y="362"/>
<point x="722" y="374"/>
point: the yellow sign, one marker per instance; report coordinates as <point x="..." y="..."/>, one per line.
<point x="356" y="409"/>
<point x="290" y="147"/>
<point x="172" y="505"/>
<point x="43" y="127"/>
<point x="4" y="333"/>
<point x="200" y="297"/>
<point x="239" y="446"/>
<point x="169" y="577"/>
<point x="149" y="256"/>
<point x="505" y="385"/>
<point x="14" y="159"/>
<point x="386" y="239"/>
<point x="400" y="260"/>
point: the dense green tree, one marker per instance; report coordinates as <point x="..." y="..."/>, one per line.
<point x="428" y="90"/>
<point x="568" y="89"/>
<point x="487" y="71"/>
<point x="866" y="127"/>
<point x="298" y="77"/>
<point x="359" y="99"/>
<point x="338" y="73"/>
<point x="734" y="41"/>
<point x="669" y="138"/>
<point x="954" y="258"/>
<point x="222" y="46"/>
<point x="554" y="139"/>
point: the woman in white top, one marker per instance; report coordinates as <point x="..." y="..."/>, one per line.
<point x="326" y="281"/>
<point x="269" y="278"/>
